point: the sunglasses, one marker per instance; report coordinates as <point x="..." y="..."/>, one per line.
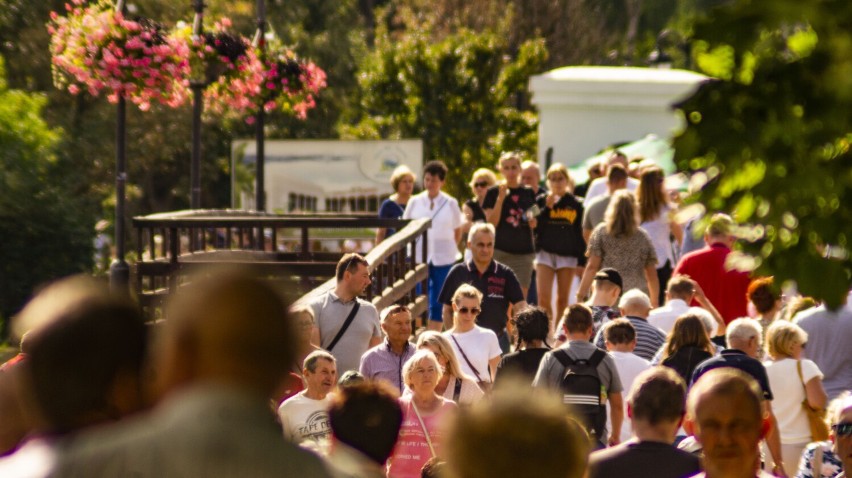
<point x="481" y="184"/>
<point x="842" y="429"/>
<point x="472" y="310"/>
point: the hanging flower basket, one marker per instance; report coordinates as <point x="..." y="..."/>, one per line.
<point x="97" y="50"/>
<point x="290" y="84"/>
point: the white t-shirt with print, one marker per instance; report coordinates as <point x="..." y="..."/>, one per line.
<point x="305" y="419"/>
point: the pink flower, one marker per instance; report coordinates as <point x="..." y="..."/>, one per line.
<point x="73" y="89"/>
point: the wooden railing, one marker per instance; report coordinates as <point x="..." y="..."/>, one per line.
<point x="170" y="245"/>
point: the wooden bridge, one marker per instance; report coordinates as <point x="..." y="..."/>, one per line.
<point x="287" y="249"/>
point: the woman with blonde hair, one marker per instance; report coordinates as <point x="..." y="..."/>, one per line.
<point x="483" y="178"/>
<point x="559" y="240"/>
<point x="454" y="384"/>
<point x="656" y="218"/>
<point x="424" y="412"/>
<point x="687" y="345"/>
<point x="402" y="181"/>
<point x="619" y="243"/>
<point x="794" y="380"/>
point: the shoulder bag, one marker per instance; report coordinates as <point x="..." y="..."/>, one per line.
<point x="816" y="416"/>
<point x="485" y="386"/>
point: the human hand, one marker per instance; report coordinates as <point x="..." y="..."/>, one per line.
<point x="502" y="190"/>
<point x="614" y="439"/>
<point x="778" y="470"/>
<point x="551" y="200"/>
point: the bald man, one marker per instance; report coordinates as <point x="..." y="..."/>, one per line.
<point x="226" y="342"/>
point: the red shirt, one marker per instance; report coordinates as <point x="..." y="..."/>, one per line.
<point x="726" y="289"/>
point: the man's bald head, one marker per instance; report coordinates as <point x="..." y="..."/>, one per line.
<point x="226" y="328"/>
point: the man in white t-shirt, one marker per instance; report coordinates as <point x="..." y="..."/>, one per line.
<point x="620" y="337"/>
<point x="598" y="187"/>
<point x="679" y="294"/>
<point x="304" y="416"/>
<point x="476" y="348"/>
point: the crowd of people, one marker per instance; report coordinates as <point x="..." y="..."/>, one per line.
<point x="665" y="363"/>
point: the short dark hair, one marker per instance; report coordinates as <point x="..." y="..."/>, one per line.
<point x="658" y="394"/>
<point x="434" y="468"/>
<point x="619" y="331"/>
<point x="349" y="262"/>
<point x="616" y="174"/>
<point x="367" y="417"/>
<point x="578" y="318"/>
<point x="532" y="324"/>
<point x="436" y="168"/>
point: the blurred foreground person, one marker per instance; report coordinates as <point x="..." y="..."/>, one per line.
<point x="725" y="414"/>
<point x="519" y="433"/>
<point x="656" y="406"/>
<point x="365" y="420"/>
<point x="85" y="350"/>
<point x="820" y="459"/>
<point x="225" y="343"/>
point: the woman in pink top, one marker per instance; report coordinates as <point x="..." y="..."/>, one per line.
<point x="424" y="412"/>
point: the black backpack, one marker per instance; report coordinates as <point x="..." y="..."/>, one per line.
<point x="582" y="391"/>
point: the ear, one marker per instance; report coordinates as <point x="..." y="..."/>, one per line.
<point x="629" y="411"/>
<point x="680" y="420"/>
<point x="689" y="426"/>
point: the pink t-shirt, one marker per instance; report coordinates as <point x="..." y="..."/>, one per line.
<point x="412" y="450"/>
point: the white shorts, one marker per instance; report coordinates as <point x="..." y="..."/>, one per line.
<point x="554" y="261"/>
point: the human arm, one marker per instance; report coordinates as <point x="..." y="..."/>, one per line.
<point x="492" y="214"/>
<point x="315" y="336"/>
<point x="773" y="441"/>
<point x="381" y="233"/>
<point x="702" y="300"/>
<point x="447" y="316"/>
<point x="677" y="232"/>
<point x="653" y="285"/>
<point x="815" y="393"/>
<point x="492" y="366"/>
<point x="375" y="341"/>
<point x="616" y="416"/>
<point x="592" y="267"/>
<point x="458" y="234"/>
<point x="467" y="212"/>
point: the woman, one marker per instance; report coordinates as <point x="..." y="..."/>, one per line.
<point x="532" y="327"/>
<point x="476" y="347"/>
<point x="454" y="384"/>
<point x="423" y="412"/>
<point x="559" y="240"/>
<point x="792" y="380"/>
<point x="655" y="217"/>
<point x="444" y="234"/>
<point x="482" y="179"/>
<point x="509" y="207"/>
<point x="821" y="455"/>
<point x="402" y="181"/>
<point x="767" y="302"/>
<point x="619" y="243"/>
<point x="687" y="345"/>
<point x="292" y="383"/>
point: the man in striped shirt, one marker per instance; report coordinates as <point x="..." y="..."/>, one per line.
<point x="384" y="361"/>
<point x="635" y="305"/>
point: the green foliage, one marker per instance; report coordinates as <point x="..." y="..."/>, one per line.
<point x="773" y="135"/>
<point x="457" y="94"/>
<point x="46" y="230"/>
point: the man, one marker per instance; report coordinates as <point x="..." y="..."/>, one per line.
<point x="365" y="420"/>
<point x="595" y="171"/>
<point x="620" y="338"/>
<point x="679" y="293"/>
<point x="497" y="283"/>
<point x="725" y="288"/>
<point x="531" y="177"/>
<point x="606" y="289"/>
<point x="346" y="325"/>
<point x="599" y="186"/>
<point x="222" y="351"/>
<point x="593" y="213"/>
<point x="552" y="372"/>
<point x="635" y="306"/>
<point x="85" y="353"/>
<point x="744" y="344"/>
<point x="656" y="406"/>
<point x="384" y="361"/>
<point x="828" y="333"/>
<point x="304" y="416"/>
<point x="724" y="413"/>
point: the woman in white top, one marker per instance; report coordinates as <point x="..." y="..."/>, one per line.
<point x="454" y="384"/>
<point x="792" y="380"/>
<point x="655" y="218"/>
<point x="476" y="347"/>
<point x="443" y="236"/>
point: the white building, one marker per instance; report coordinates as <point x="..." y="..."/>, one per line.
<point x="585" y="109"/>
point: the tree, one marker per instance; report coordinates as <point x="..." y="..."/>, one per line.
<point x="456" y="94"/>
<point x="47" y="231"/>
<point x="771" y="136"/>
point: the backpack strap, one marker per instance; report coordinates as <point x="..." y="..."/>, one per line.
<point x="597" y="357"/>
<point x="563" y="357"/>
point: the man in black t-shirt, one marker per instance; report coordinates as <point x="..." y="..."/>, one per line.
<point x="498" y="284"/>
<point x="656" y="406"/>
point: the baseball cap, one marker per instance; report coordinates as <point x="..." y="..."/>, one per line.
<point x="610" y="274"/>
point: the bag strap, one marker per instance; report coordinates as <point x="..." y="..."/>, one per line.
<point x="439" y="208"/>
<point x="816" y="462"/>
<point x="563" y="357"/>
<point x="801" y="377"/>
<point x="423" y="426"/>
<point x="597" y="357"/>
<point x="464" y="355"/>
<point x="346" y="325"/>
<point x="457" y="390"/>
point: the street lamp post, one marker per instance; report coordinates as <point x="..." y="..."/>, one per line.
<point x="197" y="84"/>
<point x="260" y="176"/>
<point x="119" y="270"/>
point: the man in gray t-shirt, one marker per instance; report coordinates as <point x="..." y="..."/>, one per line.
<point x="829" y="336"/>
<point x="578" y="328"/>
<point x="332" y="308"/>
<point x="594" y="208"/>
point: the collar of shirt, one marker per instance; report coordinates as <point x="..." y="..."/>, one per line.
<point x="336" y="298"/>
<point x="733" y="352"/>
<point x="492" y="267"/>
<point x="405" y="347"/>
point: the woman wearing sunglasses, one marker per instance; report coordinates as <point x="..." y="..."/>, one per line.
<point x="483" y="178"/>
<point x="828" y="459"/>
<point x="476" y="347"/>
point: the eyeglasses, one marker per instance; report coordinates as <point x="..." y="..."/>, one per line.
<point x="472" y="310"/>
<point x="395" y="309"/>
<point x="842" y="429"/>
<point x="481" y="184"/>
